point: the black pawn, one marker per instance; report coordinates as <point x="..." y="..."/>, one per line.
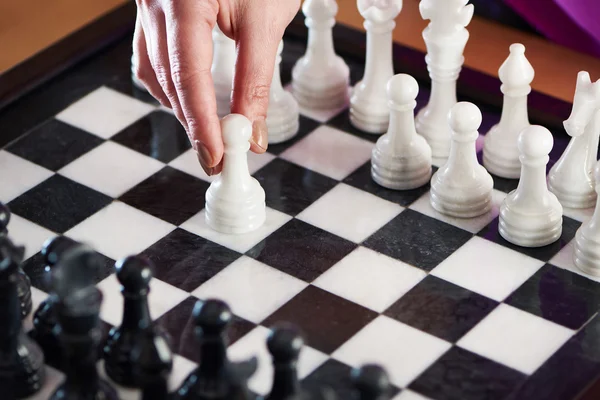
<point x="137" y="328"/>
<point x="22" y="280"/>
<point x="78" y="328"/>
<point x="372" y="382"/>
<point x="149" y="370"/>
<point x="215" y="378"/>
<point x="21" y="359"/>
<point x="285" y="343"/>
<point x="45" y="318"/>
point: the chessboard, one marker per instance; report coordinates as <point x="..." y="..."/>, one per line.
<point x="369" y="275"/>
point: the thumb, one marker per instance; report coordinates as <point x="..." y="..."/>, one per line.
<point x="257" y="51"/>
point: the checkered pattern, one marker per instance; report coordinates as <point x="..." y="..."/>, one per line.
<point x="449" y="308"/>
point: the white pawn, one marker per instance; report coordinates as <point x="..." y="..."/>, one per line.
<point x="222" y="70"/>
<point x="368" y="103"/>
<point x="500" y="151"/>
<point x="531" y="215"/>
<point x="283" y="116"/>
<point x="587" y="238"/>
<point x="320" y="78"/>
<point x="235" y="201"/>
<point x="462" y="188"/>
<point x="401" y="159"/>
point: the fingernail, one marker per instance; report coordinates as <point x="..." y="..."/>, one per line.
<point x="260" y="134"/>
<point x="204" y="157"/>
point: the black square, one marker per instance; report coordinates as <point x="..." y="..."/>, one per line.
<point x="158" y="135"/>
<point x="170" y="194"/>
<point x="307" y="125"/>
<point x="361" y="179"/>
<point x="418" y="240"/>
<point x="462" y="375"/>
<point x="186" y="261"/>
<point x="58" y="203"/>
<point x="342" y="122"/>
<point x="179" y="324"/>
<point x="326" y="320"/>
<point x="301" y="250"/>
<point x="290" y="188"/>
<point x="54" y="144"/>
<point x="441" y="308"/>
<point x="545" y="253"/>
<point x="558" y="295"/>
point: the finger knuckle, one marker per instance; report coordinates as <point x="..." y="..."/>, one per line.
<point x="260" y="92"/>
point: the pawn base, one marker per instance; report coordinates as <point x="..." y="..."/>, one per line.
<point x="369" y="113"/>
<point x="28" y="375"/>
<point x="103" y="390"/>
<point x="330" y="99"/>
<point x="437" y="133"/>
<point x="529" y="230"/>
<point x="405" y="172"/>
<point x="586" y="254"/>
<point x="283" y="119"/>
<point x="468" y="208"/>
<point x="500" y="159"/>
<point x="575" y="197"/>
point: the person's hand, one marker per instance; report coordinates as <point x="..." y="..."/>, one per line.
<point x="172" y="50"/>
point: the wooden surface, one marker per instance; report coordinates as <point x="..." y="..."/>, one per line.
<point x="28" y="26"/>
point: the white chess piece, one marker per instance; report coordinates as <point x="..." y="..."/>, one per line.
<point x="446" y="38"/>
<point x="531" y="216"/>
<point x="282" y="115"/>
<point x="320" y="78"/>
<point x="235" y="201"/>
<point x="462" y="187"/>
<point x="222" y="70"/>
<point x="368" y="103"/>
<point x="587" y="239"/>
<point x="571" y="178"/>
<point x="401" y="159"/>
<point x="500" y="151"/>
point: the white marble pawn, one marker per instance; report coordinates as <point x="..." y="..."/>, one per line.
<point x="500" y="151"/>
<point x="530" y="215"/>
<point x="320" y="78"/>
<point x="235" y="201"/>
<point x="586" y="254"/>
<point x="222" y="70"/>
<point x="445" y="38"/>
<point x="401" y="159"/>
<point x="283" y="116"/>
<point x="368" y="103"/>
<point x="462" y="188"/>
<point x="571" y="178"/>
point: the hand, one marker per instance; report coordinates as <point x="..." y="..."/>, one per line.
<point x="172" y="47"/>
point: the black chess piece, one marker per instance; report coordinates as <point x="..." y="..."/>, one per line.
<point x="45" y="318"/>
<point x="78" y="329"/>
<point x="284" y="344"/>
<point x="22" y="280"/>
<point x="215" y="378"/>
<point x="372" y="382"/>
<point x="149" y="369"/>
<point x="22" y="370"/>
<point x="137" y="328"/>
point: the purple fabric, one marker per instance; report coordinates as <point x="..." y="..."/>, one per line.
<point x="571" y="23"/>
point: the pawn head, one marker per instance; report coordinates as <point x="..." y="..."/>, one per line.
<point x="236" y="130"/>
<point x="211" y="316"/>
<point x="4" y="217"/>
<point x="371" y="381"/>
<point x="321" y="9"/>
<point x="465" y="117"/>
<point x="402" y="89"/>
<point x="535" y="141"/>
<point x="284" y="343"/>
<point x="134" y="273"/>
<point x="55" y="247"/>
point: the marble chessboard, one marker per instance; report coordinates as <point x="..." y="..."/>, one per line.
<point x="446" y="306"/>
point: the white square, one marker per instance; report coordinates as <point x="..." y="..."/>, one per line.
<point x="104" y="112"/>
<point x="404" y="352"/>
<point x="350" y="213"/>
<point x="515" y="338"/>
<point x="487" y="268"/>
<point x="564" y="259"/>
<point x="370" y="279"/>
<point x="252" y="289"/>
<point x="473" y="225"/>
<point x="254" y="345"/>
<point x="188" y="163"/>
<point x="111" y="169"/>
<point x="120" y="230"/>
<point x="26" y="233"/>
<point x="330" y="152"/>
<point x="18" y="175"/>
<point x="240" y="243"/>
<point x="161" y="299"/>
